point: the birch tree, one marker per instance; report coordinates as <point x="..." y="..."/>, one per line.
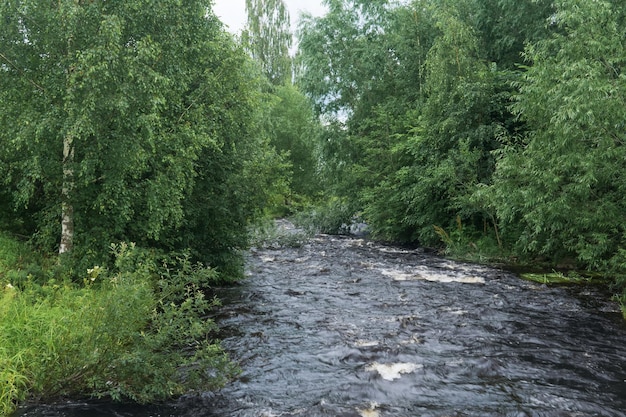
<point x="105" y="110"/>
<point x="268" y="38"/>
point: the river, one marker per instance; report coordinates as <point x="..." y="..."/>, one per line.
<point x="347" y="327"/>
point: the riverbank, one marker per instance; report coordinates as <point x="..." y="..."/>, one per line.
<point x="136" y="333"/>
<point x="335" y="325"/>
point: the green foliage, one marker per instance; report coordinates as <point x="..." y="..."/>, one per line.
<point x="341" y="54"/>
<point x="275" y="235"/>
<point x="19" y="264"/>
<point x="422" y="111"/>
<point x="138" y="332"/>
<point x="505" y="27"/>
<point x="333" y="217"/>
<point x="159" y="106"/>
<point x="430" y="118"/>
<point x="12" y="254"/>
<point x="556" y="278"/>
<point x="562" y="191"/>
<point x="267" y="37"/>
<point x="450" y="145"/>
<point x="362" y="64"/>
<point x="294" y="132"/>
<point x="235" y="182"/>
<point x="467" y="243"/>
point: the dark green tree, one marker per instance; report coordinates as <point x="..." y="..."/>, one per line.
<point x="504" y="27"/>
<point x="449" y="145"/>
<point x="560" y="192"/>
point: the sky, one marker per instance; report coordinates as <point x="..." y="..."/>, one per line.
<point x="233" y="12"/>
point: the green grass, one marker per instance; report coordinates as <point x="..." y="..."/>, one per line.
<point x="14" y="255"/>
<point x="137" y="333"/>
<point x="556" y="278"/>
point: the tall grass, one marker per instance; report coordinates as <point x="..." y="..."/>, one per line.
<point x="138" y="333"/>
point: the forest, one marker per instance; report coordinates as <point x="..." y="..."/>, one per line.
<point x="142" y="144"/>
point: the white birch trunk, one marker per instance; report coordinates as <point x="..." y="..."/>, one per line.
<point x="67" y="209"/>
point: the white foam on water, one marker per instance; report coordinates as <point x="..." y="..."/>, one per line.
<point x="454" y="312"/>
<point x="431" y="277"/>
<point x="366" y="343"/>
<point x="414" y="340"/>
<point x="393" y="371"/>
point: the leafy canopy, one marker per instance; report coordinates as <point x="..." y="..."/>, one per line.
<point x="158" y="105"/>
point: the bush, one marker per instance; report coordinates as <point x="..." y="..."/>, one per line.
<point x="332" y="217"/>
<point x="138" y="333"/>
<point x="276" y="234"/>
<point x="467" y="243"/>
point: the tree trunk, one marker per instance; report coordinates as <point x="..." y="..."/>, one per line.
<point x="67" y="209"/>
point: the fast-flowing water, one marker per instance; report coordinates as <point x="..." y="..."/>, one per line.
<point x="347" y="327"/>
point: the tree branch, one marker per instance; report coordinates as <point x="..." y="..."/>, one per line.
<point x="8" y="61"/>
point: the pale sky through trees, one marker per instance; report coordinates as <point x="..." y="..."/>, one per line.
<point x="233" y="12"/>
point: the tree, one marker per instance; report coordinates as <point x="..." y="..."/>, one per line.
<point x="560" y="192"/>
<point x="294" y="131"/>
<point x="504" y="27"/>
<point x="416" y="98"/>
<point x="267" y="37"/>
<point x="449" y="146"/>
<point x="111" y="114"/>
<point x="340" y="53"/>
<point x="360" y="64"/>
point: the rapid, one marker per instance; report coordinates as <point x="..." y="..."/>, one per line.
<point x="341" y="326"/>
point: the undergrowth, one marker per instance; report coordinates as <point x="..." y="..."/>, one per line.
<point x="331" y="217"/>
<point x="137" y="332"/>
<point x="466" y="243"/>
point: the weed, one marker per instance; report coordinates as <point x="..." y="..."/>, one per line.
<point x="138" y="332"/>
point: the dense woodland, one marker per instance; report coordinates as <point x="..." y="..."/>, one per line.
<point x="492" y="128"/>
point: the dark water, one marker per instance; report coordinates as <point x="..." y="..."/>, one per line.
<point x="346" y="327"/>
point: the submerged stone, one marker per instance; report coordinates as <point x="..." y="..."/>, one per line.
<point x="371" y="411"/>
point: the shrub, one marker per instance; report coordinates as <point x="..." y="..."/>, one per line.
<point x="276" y="234"/>
<point x="332" y="217"/>
<point x="137" y="333"/>
<point x="467" y="243"/>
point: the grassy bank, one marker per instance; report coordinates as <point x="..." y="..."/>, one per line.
<point x="136" y="333"/>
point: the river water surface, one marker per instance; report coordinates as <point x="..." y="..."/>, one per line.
<point x="347" y="327"/>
